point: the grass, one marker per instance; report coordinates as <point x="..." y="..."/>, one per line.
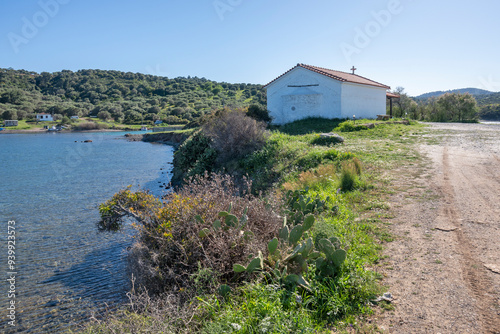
<point x="24" y="125"/>
<point x="357" y="215"/>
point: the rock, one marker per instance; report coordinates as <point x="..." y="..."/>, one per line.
<point x="493" y="267"/>
<point x="369" y="125"/>
<point x="386" y="296"/>
<point x="332" y="135"/>
<point x="446" y="228"/>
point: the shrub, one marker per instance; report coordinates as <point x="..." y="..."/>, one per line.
<point x="259" y="113"/>
<point x="65" y="120"/>
<point x="349" y="126"/>
<point x="327" y="141"/>
<point x="322" y="177"/>
<point x="315" y="157"/>
<point x="86" y="126"/>
<point x="234" y="135"/>
<point x="194" y="157"/>
<point x="348" y="176"/>
<point x="169" y="248"/>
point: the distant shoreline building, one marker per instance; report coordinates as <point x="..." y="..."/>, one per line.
<point x="10" y="123"/>
<point x="44" y="117"/>
<point x="310" y="91"/>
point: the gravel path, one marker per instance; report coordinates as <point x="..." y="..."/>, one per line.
<point x="444" y="267"/>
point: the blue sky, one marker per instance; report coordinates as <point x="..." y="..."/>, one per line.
<point x="421" y="45"/>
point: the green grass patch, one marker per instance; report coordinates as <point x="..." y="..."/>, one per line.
<point x="310" y="125"/>
<point x="22" y="125"/>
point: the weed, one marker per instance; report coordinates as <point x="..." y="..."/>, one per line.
<point x="348" y="177"/>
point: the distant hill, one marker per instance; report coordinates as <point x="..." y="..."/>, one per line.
<point x="483" y="100"/>
<point x="131" y="98"/>
<point x="473" y="91"/>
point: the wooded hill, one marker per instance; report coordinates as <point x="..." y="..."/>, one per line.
<point x="488" y="102"/>
<point x="129" y="98"/>
<point x="483" y="100"/>
<point x="476" y="92"/>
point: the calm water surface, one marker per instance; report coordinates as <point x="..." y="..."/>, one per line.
<point x="51" y="186"/>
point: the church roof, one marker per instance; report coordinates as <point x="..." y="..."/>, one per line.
<point x="337" y="75"/>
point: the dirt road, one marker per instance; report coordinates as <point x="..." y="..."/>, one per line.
<point x="444" y="266"/>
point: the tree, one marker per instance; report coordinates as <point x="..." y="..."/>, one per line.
<point x="104" y="115"/>
<point x="259" y="113"/>
<point x="457" y="107"/>
<point x="65" y="120"/>
<point x="404" y="103"/>
<point x="13" y="96"/>
<point x="490" y="112"/>
<point x="21" y="114"/>
<point x="9" y="114"/>
<point x="132" y="117"/>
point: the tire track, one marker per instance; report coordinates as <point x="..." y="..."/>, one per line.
<point x="475" y="276"/>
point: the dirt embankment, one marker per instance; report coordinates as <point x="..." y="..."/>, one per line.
<point x="169" y="138"/>
<point x="444" y="267"/>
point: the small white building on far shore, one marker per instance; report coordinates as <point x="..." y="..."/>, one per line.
<point x="44" y="117"/>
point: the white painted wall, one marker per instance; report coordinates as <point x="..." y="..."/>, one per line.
<point x="362" y="101"/>
<point x="288" y="104"/>
<point x="329" y="99"/>
<point x="40" y="117"/>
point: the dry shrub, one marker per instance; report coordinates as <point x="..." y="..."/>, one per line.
<point x="169" y="251"/>
<point x="234" y="135"/>
<point x="357" y="165"/>
<point x="313" y="179"/>
<point x="146" y="314"/>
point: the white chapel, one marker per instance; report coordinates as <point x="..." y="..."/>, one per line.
<point x="310" y="91"/>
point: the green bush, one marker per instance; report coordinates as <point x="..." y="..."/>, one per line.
<point x="315" y="157"/>
<point x="86" y="126"/>
<point x="349" y="126"/>
<point x="349" y="176"/>
<point x="259" y="113"/>
<point x="327" y="141"/>
<point x="258" y="309"/>
<point x="194" y="157"/>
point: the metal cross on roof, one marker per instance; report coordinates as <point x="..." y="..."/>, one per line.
<point x="353" y="69"/>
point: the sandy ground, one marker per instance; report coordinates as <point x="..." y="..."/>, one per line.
<point x="443" y="269"/>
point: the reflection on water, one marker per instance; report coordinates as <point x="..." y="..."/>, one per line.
<point x="51" y="185"/>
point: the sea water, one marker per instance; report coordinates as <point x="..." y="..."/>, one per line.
<point x="51" y="185"/>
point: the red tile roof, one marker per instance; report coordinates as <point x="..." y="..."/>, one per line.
<point x="393" y="95"/>
<point x="337" y="75"/>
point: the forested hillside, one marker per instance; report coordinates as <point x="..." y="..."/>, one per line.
<point x="451" y="106"/>
<point x="473" y="91"/>
<point x="489" y="99"/>
<point x="129" y="98"/>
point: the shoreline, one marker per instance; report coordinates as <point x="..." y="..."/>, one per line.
<point x="168" y="138"/>
<point x="32" y="131"/>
